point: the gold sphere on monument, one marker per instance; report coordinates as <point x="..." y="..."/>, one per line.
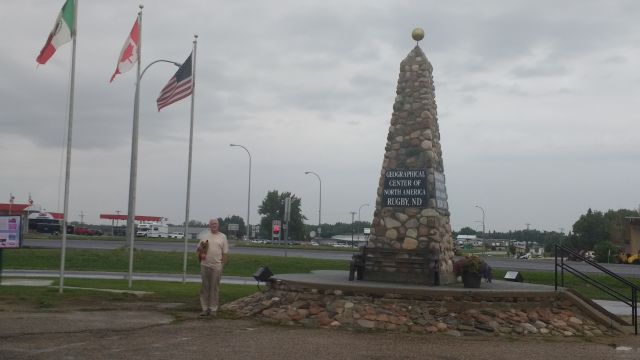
<point x="417" y="34"/>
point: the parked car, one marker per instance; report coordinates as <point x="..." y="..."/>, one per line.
<point x="153" y="230"/>
<point x="53" y="228"/>
<point x="87" y="231"/>
<point x="589" y="255"/>
<point x="176" y="235"/>
<point x="340" y="245"/>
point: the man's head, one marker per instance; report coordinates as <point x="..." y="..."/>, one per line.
<point x="214" y="226"/>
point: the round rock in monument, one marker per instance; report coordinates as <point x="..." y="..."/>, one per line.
<point x="417" y="34"/>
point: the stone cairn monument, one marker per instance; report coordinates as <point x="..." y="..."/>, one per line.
<point x="411" y="237"/>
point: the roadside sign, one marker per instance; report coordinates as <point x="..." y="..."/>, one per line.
<point x="233" y="227"/>
<point x="287" y="209"/>
<point x="275" y="229"/>
<point x="10" y="232"/>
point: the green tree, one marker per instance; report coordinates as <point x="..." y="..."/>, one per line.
<point x="467" y="231"/>
<point x="196" y="223"/>
<point x="272" y="208"/>
<point x="233" y="219"/>
<point x="617" y="225"/>
<point x="595" y="227"/>
<point x="589" y="230"/>
<point x="605" y="251"/>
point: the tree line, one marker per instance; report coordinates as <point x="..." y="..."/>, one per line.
<point x="594" y="230"/>
<point x="273" y="208"/>
<point x="604" y="232"/>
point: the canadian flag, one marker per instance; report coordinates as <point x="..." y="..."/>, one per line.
<point x="129" y="53"/>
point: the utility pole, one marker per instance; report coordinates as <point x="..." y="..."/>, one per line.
<point x="353" y="214"/>
<point x="81" y="218"/>
<point x="287" y="220"/>
<point x="359" y="221"/>
<point x="526" y="238"/>
<point x="483" y="229"/>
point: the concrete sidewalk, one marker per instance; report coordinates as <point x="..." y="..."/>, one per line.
<point x="237" y="280"/>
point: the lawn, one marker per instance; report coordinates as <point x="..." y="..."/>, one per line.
<point x="157" y="262"/>
<point x="239" y="265"/>
<point x="161" y="292"/>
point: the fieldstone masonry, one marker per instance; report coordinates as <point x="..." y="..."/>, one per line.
<point x="456" y="315"/>
<point x="411" y="220"/>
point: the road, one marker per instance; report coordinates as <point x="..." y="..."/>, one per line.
<point x="151" y="334"/>
<point x="170" y="245"/>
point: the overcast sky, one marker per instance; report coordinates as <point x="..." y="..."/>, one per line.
<point x="537" y="106"/>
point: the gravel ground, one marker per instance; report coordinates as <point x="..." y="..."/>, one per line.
<point x="150" y="333"/>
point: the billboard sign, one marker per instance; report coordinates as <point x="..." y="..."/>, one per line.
<point x="10" y="232"/>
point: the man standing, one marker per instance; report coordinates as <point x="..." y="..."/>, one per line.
<point x="212" y="250"/>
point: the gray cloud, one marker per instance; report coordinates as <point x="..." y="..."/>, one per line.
<point x="536" y="106"/>
<point x="538" y="70"/>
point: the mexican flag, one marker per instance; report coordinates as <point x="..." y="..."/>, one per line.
<point x="62" y="32"/>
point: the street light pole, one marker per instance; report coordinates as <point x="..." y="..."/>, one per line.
<point x="319" y="202"/>
<point x="483" y="229"/>
<point x="248" y="227"/>
<point x="360" y="208"/>
<point x="134" y="156"/>
<point x="353" y="213"/>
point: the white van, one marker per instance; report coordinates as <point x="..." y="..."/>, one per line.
<point x="158" y="231"/>
<point x="143" y="229"/>
<point x="154" y="230"/>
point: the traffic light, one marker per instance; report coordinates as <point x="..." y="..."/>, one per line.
<point x="276" y="232"/>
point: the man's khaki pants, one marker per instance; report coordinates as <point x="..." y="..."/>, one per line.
<point x="209" y="290"/>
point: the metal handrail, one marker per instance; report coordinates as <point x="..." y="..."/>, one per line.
<point x="599" y="285"/>
<point x="631" y="301"/>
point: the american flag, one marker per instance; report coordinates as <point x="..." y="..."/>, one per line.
<point x="179" y="86"/>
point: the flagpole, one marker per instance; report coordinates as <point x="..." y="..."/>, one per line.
<point x="186" y="216"/>
<point x="65" y="210"/>
<point x="134" y="155"/>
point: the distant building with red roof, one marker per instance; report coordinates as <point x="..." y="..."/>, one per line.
<point x="13" y="209"/>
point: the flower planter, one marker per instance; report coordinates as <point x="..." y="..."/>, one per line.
<point x="471" y="280"/>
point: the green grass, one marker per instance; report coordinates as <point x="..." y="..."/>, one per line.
<point x="239" y="265"/>
<point x="161" y="292"/>
<point x="573" y="282"/>
<point x="157" y="262"/>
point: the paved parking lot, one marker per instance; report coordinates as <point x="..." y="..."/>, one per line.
<point x="148" y="332"/>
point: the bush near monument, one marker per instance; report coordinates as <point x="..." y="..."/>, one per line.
<point x="473" y="266"/>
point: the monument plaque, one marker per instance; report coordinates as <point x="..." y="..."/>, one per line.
<point x="411" y="236"/>
<point x="404" y="188"/>
<point x="441" y="192"/>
